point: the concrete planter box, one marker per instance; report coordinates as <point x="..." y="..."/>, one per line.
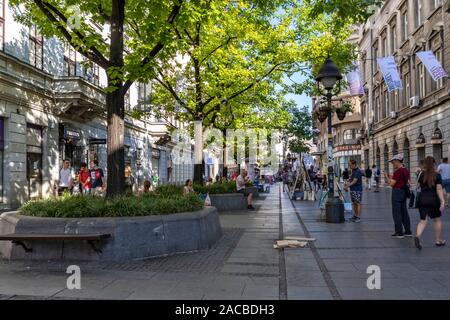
<point x="131" y="237"/>
<point x="228" y="201"/>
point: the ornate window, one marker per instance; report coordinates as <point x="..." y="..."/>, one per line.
<point x="36" y="44"/>
<point x="2" y="23"/>
<point x="70" y="57"/>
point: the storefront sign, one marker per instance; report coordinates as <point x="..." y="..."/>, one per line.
<point x="97" y="141"/>
<point x="156" y="153"/>
<point x="348" y="147"/>
<point x="70" y="133"/>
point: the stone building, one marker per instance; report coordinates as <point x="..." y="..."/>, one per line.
<point x="52" y="107"/>
<point x="413" y="121"/>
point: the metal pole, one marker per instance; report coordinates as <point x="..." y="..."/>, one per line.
<point x="330" y="150"/>
<point x="334" y="207"/>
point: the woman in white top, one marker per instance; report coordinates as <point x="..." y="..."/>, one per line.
<point x="188" y="188"/>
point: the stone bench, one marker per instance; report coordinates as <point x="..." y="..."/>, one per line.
<point x="228" y="201"/>
<point x="131" y="237"/>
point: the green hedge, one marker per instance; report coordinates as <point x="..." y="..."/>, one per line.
<point x="168" y="190"/>
<point x="123" y="206"/>
<point x="215" y="188"/>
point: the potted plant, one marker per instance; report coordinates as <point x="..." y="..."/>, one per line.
<point x="343" y="109"/>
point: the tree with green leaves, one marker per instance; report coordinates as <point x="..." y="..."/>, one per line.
<point x="201" y="53"/>
<point x="238" y="52"/>
<point x="299" y="130"/>
<point x="148" y="26"/>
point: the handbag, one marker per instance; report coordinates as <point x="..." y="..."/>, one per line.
<point x="412" y="200"/>
<point x="406" y="187"/>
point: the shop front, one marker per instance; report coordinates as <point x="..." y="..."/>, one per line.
<point x="34" y="161"/>
<point x="156" y="156"/>
<point x="2" y="147"/>
<point x="343" y="154"/>
<point x="70" y="146"/>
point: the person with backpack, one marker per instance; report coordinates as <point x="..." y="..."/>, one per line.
<point x="431" y="201"/>
<point x="368" y="173"/>
<point x="399" y="182"/>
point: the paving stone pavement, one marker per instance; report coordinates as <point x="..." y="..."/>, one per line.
<point x="244" y="265"/>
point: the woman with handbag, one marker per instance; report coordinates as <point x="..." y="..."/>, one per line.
<point x="431" y="201"/>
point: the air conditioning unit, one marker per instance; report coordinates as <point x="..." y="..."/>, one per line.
<point x="393" y="114"/>
<point x="414" y="102"/>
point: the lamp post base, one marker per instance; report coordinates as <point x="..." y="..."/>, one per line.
<point x="334" y="210"/>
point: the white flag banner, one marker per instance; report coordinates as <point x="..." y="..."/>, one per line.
<point x="354" y="82"/>
<point x="390" y="73"/>
<point x="433" y="66"/>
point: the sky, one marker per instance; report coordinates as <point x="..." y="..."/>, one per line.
<point x="301" y="100"/>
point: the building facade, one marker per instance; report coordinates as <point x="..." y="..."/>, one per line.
<point x="346" y="133"/>
<point x="413" y="121"/>
<point x="52" y="107"/>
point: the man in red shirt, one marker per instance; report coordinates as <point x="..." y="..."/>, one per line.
<point x="85" y="179"/>
<point x="399" y="182"/>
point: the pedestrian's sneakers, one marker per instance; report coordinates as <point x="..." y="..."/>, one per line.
<point x="440" y="243"/>
<point x="408" y="234"/>
<point x="250" y="207"/>
<point x="398" y="235"/>
<point x="355" y="219"/>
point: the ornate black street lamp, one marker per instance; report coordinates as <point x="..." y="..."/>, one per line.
<point x="328" y="76"/>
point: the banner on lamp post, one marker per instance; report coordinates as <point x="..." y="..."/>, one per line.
<point x="354" y="82"/>
<point x="390" y="73"/>
<point x="433" y="66"/>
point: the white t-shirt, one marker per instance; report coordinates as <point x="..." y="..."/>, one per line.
<point x="65" y="177"/>
<point x="444" y="169"/>
<point x="240" y="183"/>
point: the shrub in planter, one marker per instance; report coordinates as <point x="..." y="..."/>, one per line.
<point x="122" y="206"/>
<point x="216" y="188"/>
<point x="168" y="190"/>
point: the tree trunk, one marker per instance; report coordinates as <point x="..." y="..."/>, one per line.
<point x="198" y="151"/>
<point x="224" y="154"/>
<point x="115" y="144"/>
<point x="115" y="106"/>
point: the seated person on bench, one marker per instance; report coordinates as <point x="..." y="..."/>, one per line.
<point x="241" y="180"/>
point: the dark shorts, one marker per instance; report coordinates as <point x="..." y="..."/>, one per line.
<point x="356" y="196"/>
<point x="244" y="192"/>
<point x="432" y="212"/>
<point x="446" y="185"/>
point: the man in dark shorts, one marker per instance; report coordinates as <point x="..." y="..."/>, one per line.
<point x="241" y="180"/>
<point x="356" y="188"/>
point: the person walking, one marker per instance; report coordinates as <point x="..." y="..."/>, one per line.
<point x="399" y="182"/>
<point x="66" y="176"/>
<point x="376" y="176"/>
<point x="312" y="177"/>
<point x="368" y="178"/>
<point x="444" y="170"/>
<point x="431" y="201"/>
<point x="356" y="188"/>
